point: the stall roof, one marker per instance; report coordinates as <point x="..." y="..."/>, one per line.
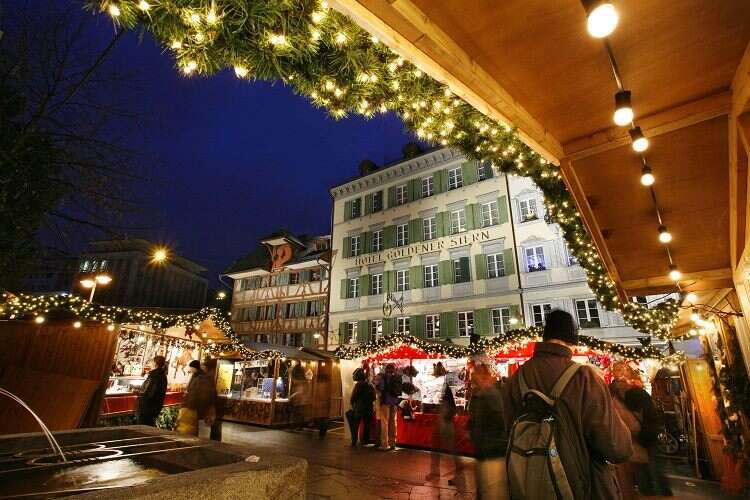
<point x="290" y="352"/>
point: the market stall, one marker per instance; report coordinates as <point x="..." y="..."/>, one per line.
<point x="429" y="368"/>
<point x="281" y="387"/>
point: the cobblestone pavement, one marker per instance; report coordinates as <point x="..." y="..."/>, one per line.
<point x="338" y="471"/>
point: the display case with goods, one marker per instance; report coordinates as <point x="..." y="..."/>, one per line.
<point x="288" y="387"/>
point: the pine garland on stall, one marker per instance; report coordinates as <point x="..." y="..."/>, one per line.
<point x="323" y="55"/>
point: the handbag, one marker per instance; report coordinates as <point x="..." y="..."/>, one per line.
<point x="187" y="421"/>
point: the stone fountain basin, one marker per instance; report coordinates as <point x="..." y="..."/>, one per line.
<point x="151" y="463"/>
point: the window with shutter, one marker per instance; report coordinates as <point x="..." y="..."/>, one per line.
<point x="455" y="178"/>
<point x="376" y="329"/>
<point x="428" y="186"/>
<point x="489" y="214"/>
<point x="458" y="221"/>
<point x="495" y="265"/>
<point x="432" y="326"/>
<point x="401" y="194"/>
<point x="429" y="228"/>
<point x="588" y="313"/>
<point x="402" y="280"/>
<point x="501" y="320"/>
<point x="377" y="240"/>
<point x="376" y="284"/>
<point x="539" y="313"/>
<point x="356" y="208"/>
<point x="465" y="323"/>
<point x="430" y="276"/>
<point x="402" y="235"/>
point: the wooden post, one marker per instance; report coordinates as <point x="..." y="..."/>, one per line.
<point x="273" y="390"/>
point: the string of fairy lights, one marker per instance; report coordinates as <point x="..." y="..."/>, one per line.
<point x="322" y="54"/>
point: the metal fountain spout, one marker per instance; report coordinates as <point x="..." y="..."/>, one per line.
<point x="54" y="446"/>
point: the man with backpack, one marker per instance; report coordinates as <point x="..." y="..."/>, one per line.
<point x="564" y="434"/>
<point x="390" y="388"/>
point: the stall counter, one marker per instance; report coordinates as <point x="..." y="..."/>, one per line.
<point x="418" y="432"/>
<point x="120" y="404"/>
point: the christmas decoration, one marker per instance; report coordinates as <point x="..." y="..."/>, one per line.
<point x="323" y="55"/>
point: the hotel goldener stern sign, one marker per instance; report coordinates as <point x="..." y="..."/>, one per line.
<point x="454" y="241"/>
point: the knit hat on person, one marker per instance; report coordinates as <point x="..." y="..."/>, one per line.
<point x="560" y="325"/>
<point x="195" y="364"/>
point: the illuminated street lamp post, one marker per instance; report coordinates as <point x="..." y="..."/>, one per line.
<point x="99" y="279"/>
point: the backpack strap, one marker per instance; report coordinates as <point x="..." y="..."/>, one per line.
<point x="564" y="379"/>
<point x="525" y="389"/>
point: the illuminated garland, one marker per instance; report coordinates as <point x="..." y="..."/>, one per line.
<point x="325" y="56"/>
<point x="37" y="307"/>
<point x="490" y="345"/>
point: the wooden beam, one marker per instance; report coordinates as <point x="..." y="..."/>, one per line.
<point x="435" y="53"/>
<point x="664" y="281"/>
<point x="663" y="122"/>
<point x="589" y="220"/>
<point x="741" y="84"/>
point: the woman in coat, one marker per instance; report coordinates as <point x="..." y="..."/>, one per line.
<point x="153" y="390"/>
<point x="362" y="402"/>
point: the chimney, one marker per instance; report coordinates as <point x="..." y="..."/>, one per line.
<point x="366" y="167"/>
<point x="410" y="150"/>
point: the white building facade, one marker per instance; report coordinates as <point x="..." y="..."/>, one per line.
<point x="463" y="250"/>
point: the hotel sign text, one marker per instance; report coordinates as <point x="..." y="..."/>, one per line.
<point x="423" y="247"/>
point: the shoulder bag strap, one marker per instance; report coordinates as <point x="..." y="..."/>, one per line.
<point x="564" y="379"/>
<point x="525" y="389"/>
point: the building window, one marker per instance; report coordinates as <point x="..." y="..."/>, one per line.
<point x="528" y="210"/>
<point x="461" y="272"/>
<point x="455" y="178"/>
<point x="315" y="274"/>
<point x="430" y="276"/>
<point x="354" y="245"/>
<point x="314" y="307"/>
<point x="357" y="208"/>
<point x="539" y="313"/>
<point x="291" y="340"/>
<point x="484" y="171"/>
<point x="402" y="280"/>
<point x="428" y="187"/>
<point x="376" y="329"/>
<point x="500" y="320"/>
<point x="377" y="201"/>
<point x="294" y="278"/>
<point x="402" y="235"/>
<point x="572" y="261"/>
<point x="458" y="221"/>
<point x="402" y="324"/>
<point x="401" y="194"/>
<point x="261" y="337"/>
<point x="642" y="300"/>
<point x="85" y="266"/>
<point x="377" y="240"/>
<point x="376" y="284"/>
<point x="465" y="323"/>
<point x="489" y="214"/>
<point x="429" y="228"/>
<point x="495" y="265"/>
<point x="351" y="332"/>
<point x="271" y="312"/>
<point x="588" y="313"/>
<point x="432" y="326"/>
<point x="535" y="259"/>
<point x="353" y="288"/>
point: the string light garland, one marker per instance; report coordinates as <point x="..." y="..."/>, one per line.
<point x="490" y="345"/>
<point x="323" y="55"/>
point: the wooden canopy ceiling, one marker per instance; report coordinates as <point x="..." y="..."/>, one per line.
<point x="532" y="63"/>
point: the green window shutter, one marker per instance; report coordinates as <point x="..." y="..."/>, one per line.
<point x="342" y="332"/>
<point x="364" y="285"/>
<point x="389" y="281"/>
<point x="445" y="272"/>
<point x="502" y="209"/>
<point x="307" y="340"/>
<point x="344" y="288"/>
<point x="347" y="247"/>
<point x="515" y="312"/>
<point x="471" y="219"/>
<point x="416" y="326"/>
<point x="489" y="172"/>
<point x="482" y="322"/>
<point x="469" y="172"/>
<point x="441" y="181"/>
<point x="509" y="262"/>
<point x="367" y="242"/>
<point x="465" y="269"/>
<point x="387" y="326"/>
<point x="347" y="210"/>
<point x="367" y="209"/>
<point x="448" y="324"/>
<point x="480" y="264"/>
<point x="416" y="276"/>
<point x="389" y="236"/>
<point x="391" y="196"/>
<point x="415" y="189"/>
<point x="441" y="219"/>
<point x="284" y="278"/>
<point x="304" y="276"/>
<point x="363" y="331"/>
<point x="415" y="230"/>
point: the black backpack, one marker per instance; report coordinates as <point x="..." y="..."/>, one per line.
<point x="547" y="456"/>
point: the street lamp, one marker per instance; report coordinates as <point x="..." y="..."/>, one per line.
<point x="160" y="255"/>
<point x="99" y="279"/>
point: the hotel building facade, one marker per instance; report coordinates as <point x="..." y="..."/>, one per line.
<point x="442" y="247"/>
<point x="280" y="292"/>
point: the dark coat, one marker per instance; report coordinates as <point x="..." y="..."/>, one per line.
<point x="201" y="394"/>
<point x="589" y="401"/>
<point x="153" y="390"/>
<point x="640" y="403"/>
<point x="362" y="399"/>
<point x="486" y="423"/>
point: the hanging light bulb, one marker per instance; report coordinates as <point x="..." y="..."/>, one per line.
<point x="623" y="108"/>
<point x="114" y="10"/>
<point x="692" y="297"/>
<point x="674" y="273"/>
<point x="664" y="235"/>
<point x="602" y="17"/>
<point x="640" y="143"/>
<point x="647" y="178"/>
<point x="39" y="320"/>
<point x="695" y="316"/>
<point x="77" y="324"/>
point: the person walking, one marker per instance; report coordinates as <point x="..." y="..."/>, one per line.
<point x="390" y="392"/>
<point x="362" y="403"/>
<point x="153" y="390"/>
<point x="626" y="471"/>
<point x="599" y="438"/>
<point x="199" y="399"/>
<point x="488" y="437"/>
